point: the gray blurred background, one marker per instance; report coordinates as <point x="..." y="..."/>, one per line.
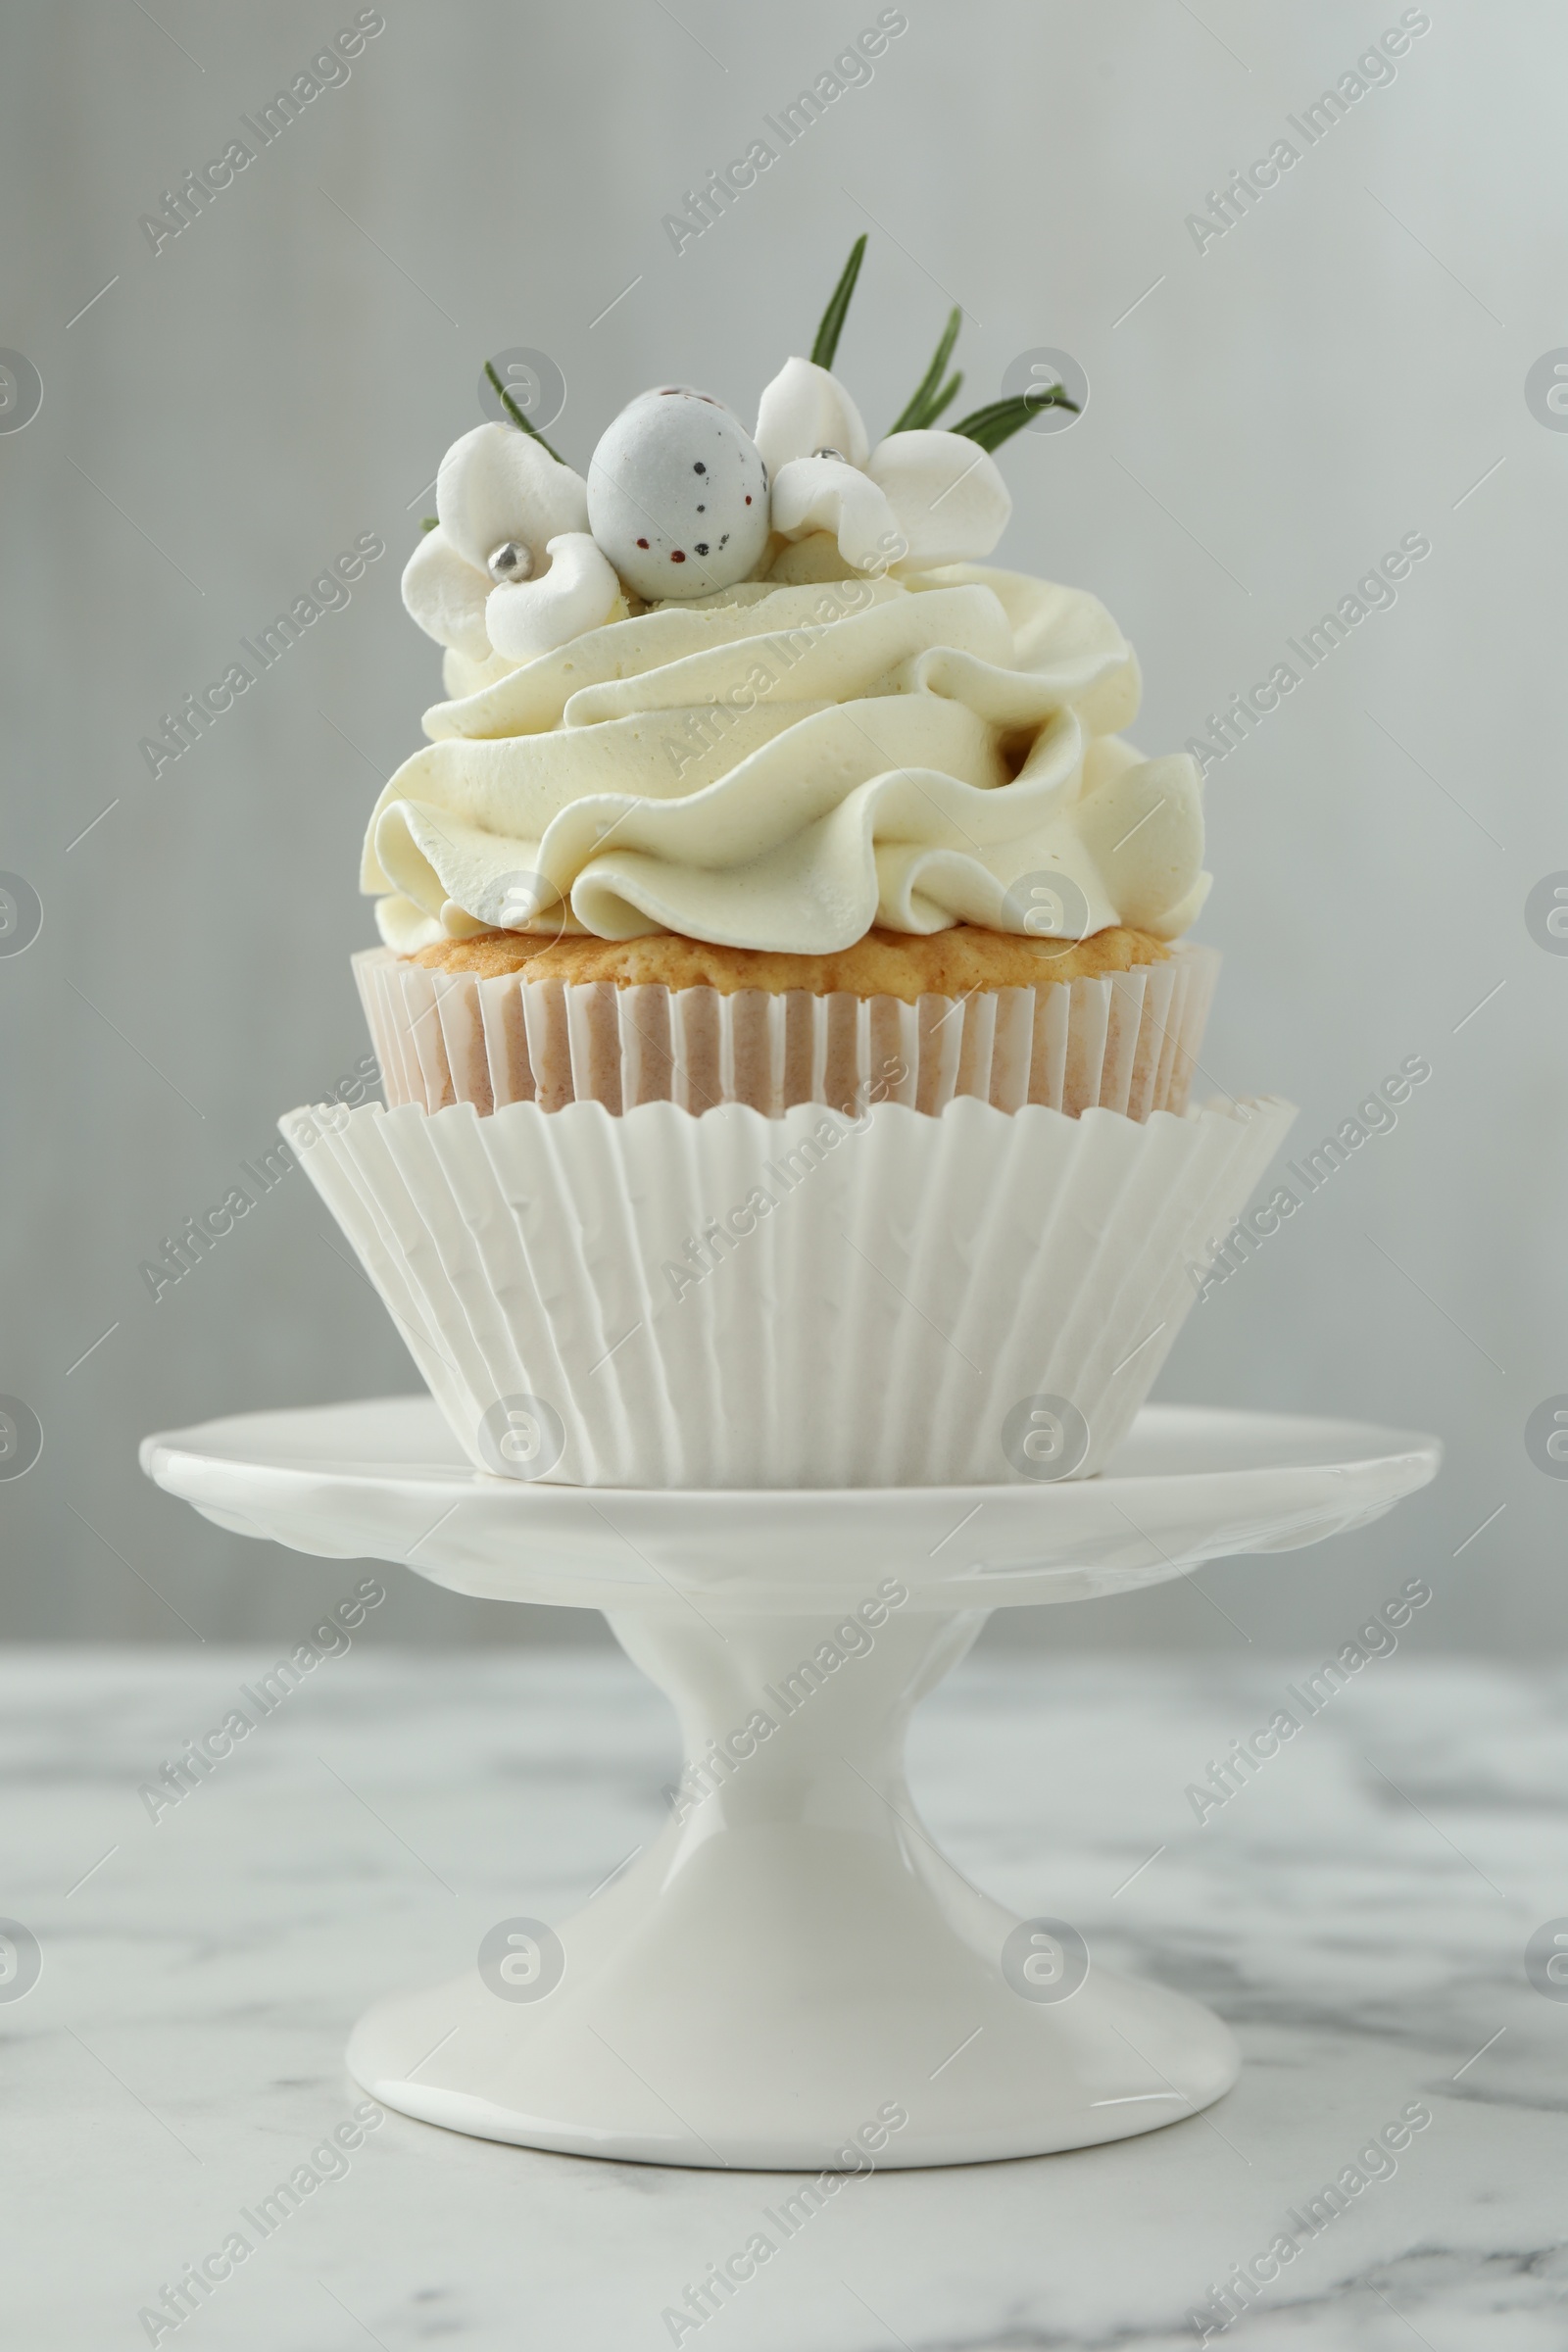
<point x="1344" y="365"/>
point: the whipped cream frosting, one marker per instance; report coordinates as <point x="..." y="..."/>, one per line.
<point x="787" y="762"/>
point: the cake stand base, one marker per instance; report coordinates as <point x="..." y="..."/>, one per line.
<point x="793" y="1962"/>
<point x="791" y="1976"/>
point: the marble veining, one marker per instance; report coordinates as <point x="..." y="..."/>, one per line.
<point x="1358" y="1911"/>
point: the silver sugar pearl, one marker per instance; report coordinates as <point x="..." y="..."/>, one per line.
<point x="509" y="563"/>
<point x="831" y="453"/>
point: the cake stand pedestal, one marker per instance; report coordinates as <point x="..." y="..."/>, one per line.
<point x="791" y="1976"/>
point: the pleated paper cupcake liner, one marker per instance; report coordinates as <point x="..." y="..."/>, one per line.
<point x="658" y="1300"/>
<point x="1126" y="1042"/>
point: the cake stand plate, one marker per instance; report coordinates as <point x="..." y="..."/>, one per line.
<point x="791" y="1976"/>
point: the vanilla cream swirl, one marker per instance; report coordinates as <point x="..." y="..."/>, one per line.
<point x="782" y="766"/>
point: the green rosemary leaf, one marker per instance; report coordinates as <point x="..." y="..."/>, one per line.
<point x="944" y="398"/>
<point x="919" y="412"/>
<point x="832" y="326"/>
<point x="429" y="522"/>
<point x="998" y="422"/>
<point x="516" y="414"/>
<point x="977" y="426"/>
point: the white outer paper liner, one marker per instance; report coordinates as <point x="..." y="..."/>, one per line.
<point x="1124" y="1041"/>
<point x="915" y="1282"/>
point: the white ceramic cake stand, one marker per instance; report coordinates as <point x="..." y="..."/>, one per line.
<point x="790" y="1962"/>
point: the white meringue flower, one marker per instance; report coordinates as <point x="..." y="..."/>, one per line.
<point x="824" y="494"/>
<point x="918" y="499"/>
<point x="499" y="489"/>
<point x="804" y="409"/>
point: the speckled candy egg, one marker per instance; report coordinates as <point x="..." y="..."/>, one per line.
<point x="677" y="496"/>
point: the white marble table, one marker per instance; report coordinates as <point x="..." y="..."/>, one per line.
<point x="1358" y="1912"/>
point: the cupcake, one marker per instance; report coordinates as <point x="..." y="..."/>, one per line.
<point x="765" y="827"/>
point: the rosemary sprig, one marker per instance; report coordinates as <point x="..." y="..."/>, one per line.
<point x="1002" y="419"/>
<point x="516" y="414"/>
<point x="927" y="401"/>
<point x="948" y="394"/>
<point x="832" y="326"/>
